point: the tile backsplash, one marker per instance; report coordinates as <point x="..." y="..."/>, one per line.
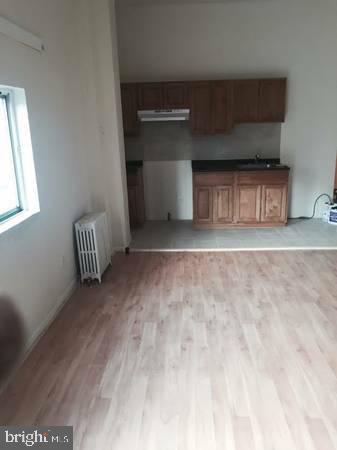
<point x="173" y="141"/>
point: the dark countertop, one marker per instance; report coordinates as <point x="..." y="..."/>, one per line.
<point x="133" y="166"/>
<point x="224" y="165"/>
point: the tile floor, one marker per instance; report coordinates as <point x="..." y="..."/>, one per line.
<point x="180" y="235"/>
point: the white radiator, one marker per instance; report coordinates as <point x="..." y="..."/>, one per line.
<point x="93" y="245"/>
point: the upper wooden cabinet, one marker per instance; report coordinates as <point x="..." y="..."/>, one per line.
<point x="260" y="100"/>
<point x="175" y="95"/>
<point x="216" y="106"/>
<point x="170" y="95"/>
<point x="246" y="98"/>
<point x="211" y="107"/>
<point x="129" y="93"/>
<point x="150" y="96"/>
<point x="201" y="107"/>
<point x="222" y="106"/>
<point x="272" y="100"/>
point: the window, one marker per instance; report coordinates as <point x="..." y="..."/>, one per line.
<point x="18" y="191"/>
<point x="10" y="202"/>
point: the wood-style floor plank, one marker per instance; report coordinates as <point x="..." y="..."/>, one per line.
<point x="189" y="351"/>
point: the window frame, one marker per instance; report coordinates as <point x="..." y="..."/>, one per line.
<point x="6" y="95"/>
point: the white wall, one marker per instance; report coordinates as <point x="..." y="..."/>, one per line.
<point x="101" y="110"/>
<point x="294" y="38"/>
<point x="168" y="189"/>
<point x="74" y="162"/>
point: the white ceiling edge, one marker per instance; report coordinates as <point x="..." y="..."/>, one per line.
<point x="17" y="33"/>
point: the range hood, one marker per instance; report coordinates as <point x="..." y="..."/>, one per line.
<point x="162" y="115"/>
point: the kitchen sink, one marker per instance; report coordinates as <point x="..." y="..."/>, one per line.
<point x="260" y="166"/>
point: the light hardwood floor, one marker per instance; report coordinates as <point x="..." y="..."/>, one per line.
<point x="191" y="351"/>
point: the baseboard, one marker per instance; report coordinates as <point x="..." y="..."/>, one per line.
<point x="41" y="330"/>
<point x="234" y="249"/>
<point x="62" y="300"/>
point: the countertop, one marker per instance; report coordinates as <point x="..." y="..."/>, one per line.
<point x="224" y="165"/>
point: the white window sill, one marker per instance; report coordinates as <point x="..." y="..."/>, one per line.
<point x="16" y="220"/>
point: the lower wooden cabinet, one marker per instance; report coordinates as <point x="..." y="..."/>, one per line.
<point x="136" y="198"/>
<point x="274" y="203"/>
<point x="222" y="204"/>
<point x="248" y="204"/>
<point x="203" y="204"/>
<point x="230" y="199"/>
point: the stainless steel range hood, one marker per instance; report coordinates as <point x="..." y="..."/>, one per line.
<point x="162" y="115"/>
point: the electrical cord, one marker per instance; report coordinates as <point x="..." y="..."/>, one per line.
<point x="314" y="208"/>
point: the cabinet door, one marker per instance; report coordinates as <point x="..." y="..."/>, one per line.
<point x="201" y="107"/>
<point x="274" y="203"/>
<point x="133" y="207"/>
<point x="246" y="98"/>
<point x="248" y="204"/>
<point x="222" y="107"/>
<point x="176" y="95"/>
<point x="223" y="204"/>
<point x="150" y="96"/>
<point x="272" y="100"/>
<point x="129" y="109"/>
<point x="203" y="204"/>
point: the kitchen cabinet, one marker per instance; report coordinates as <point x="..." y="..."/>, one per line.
<point x="216" y="106"/>
<point x="222" y="107"/>
<point x="274" y="203"/>
<point x="246" y="97"/>
<point x="248" y="204"/>
<point x="135" y="187"/>
<point x="222" y="204"/>
<point x="175" y="95"/>
<point x="211" y="107"/>
<point x="272" y="100"/>
<point x="150" y="96"/>
<point x="240" y="198"/>
<point x="201" y="107"/>
<point x="203" y="204"/>
<point x="166" y="95"/>
<point x="129" y="95"/>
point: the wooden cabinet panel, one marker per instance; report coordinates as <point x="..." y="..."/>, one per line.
<point x="222" y="106"/>
<point x="132" y="196"/>
<point x="216" y="106"/>
<point x="274" y="203"/>
<point x="201" y="107"/>
<point x="223" y="204"/>
<point x="136" y="198"/>
<point x="263" y="177"/>
<point x="203" y="204"/>
<point x="238" y="198"/>
<point x="246" y="98"/>
<point x="272" y="100"/>
<point x="213" y="178"/>
<point x="150" y="96"/>
<point x="129" y="109"/>
<point x="248" y="204"/>
<point x="176" y="95"/>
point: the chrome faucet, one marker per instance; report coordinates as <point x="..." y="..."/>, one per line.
<point x="257" y="158"/>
